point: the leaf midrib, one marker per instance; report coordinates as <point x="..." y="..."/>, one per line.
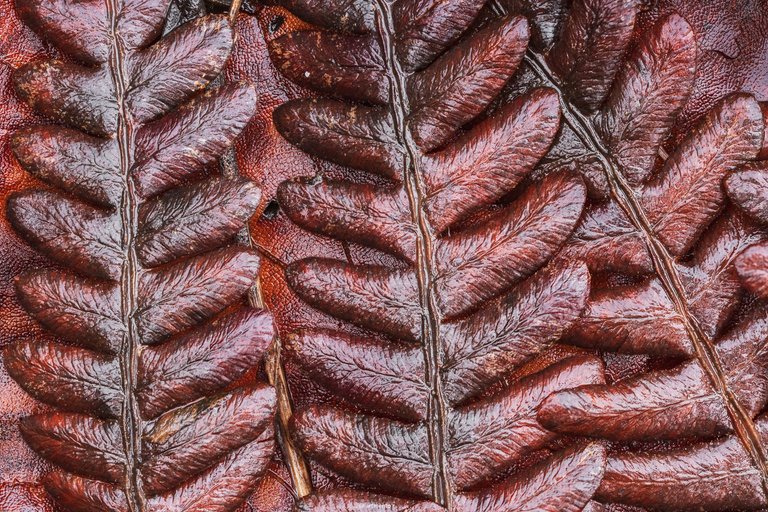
<point x="437" y="426"/>
<point x="664" y="264"/>
<point x="130" y="418"/>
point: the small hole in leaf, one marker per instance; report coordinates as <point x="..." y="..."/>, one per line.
<point x="276" y="23"/>
<point x="272" y="209"/>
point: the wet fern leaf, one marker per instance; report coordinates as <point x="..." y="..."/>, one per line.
<point x="422" y="357"/>
<point x="665" y="251"/>
<point x="748" y="189"/>
<point x="153" y="338"/>
<point x="467" y="126"/>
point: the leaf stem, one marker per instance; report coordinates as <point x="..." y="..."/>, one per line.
<point x="430" y="312"/>
<point x="130" y="418"/>
<point x="664" y="263"/>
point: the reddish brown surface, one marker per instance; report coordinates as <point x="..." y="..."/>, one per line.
<point x="734" y="48"/>
<point x="734" y="60"/>
<point x="204" y="439"/>
<point x="20" y="468"/>
<point x="720" y="70"/>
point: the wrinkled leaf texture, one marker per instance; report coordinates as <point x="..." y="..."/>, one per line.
<point x="472" y="291"/>
<point x="664" y="249"/>
<point x="468" y="125"/>
<point x="148" y="371"/>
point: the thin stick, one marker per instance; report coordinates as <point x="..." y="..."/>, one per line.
<point x="297" y="465"/>
<point x="294" y="459"/>
<point x="233" y="10"/>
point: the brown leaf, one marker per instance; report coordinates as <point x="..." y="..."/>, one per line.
<point x="140" y="126"/>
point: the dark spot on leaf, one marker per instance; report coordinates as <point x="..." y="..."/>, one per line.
<point x="272" y="209"/>
<point x="275" y="24"/>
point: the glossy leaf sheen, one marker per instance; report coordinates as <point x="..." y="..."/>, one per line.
<point x="495" y="261"/>
<point x="670" y="254"/>
<point x="150" y="414"/>
<point x="496" y="299"/>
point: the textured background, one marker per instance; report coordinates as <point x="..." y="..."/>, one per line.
<point x="733" y="39"/>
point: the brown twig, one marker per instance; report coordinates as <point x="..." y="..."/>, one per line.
<point x="297" y="465"/>
<point x="294" y="460"/>
<point x="233" y="10"/>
